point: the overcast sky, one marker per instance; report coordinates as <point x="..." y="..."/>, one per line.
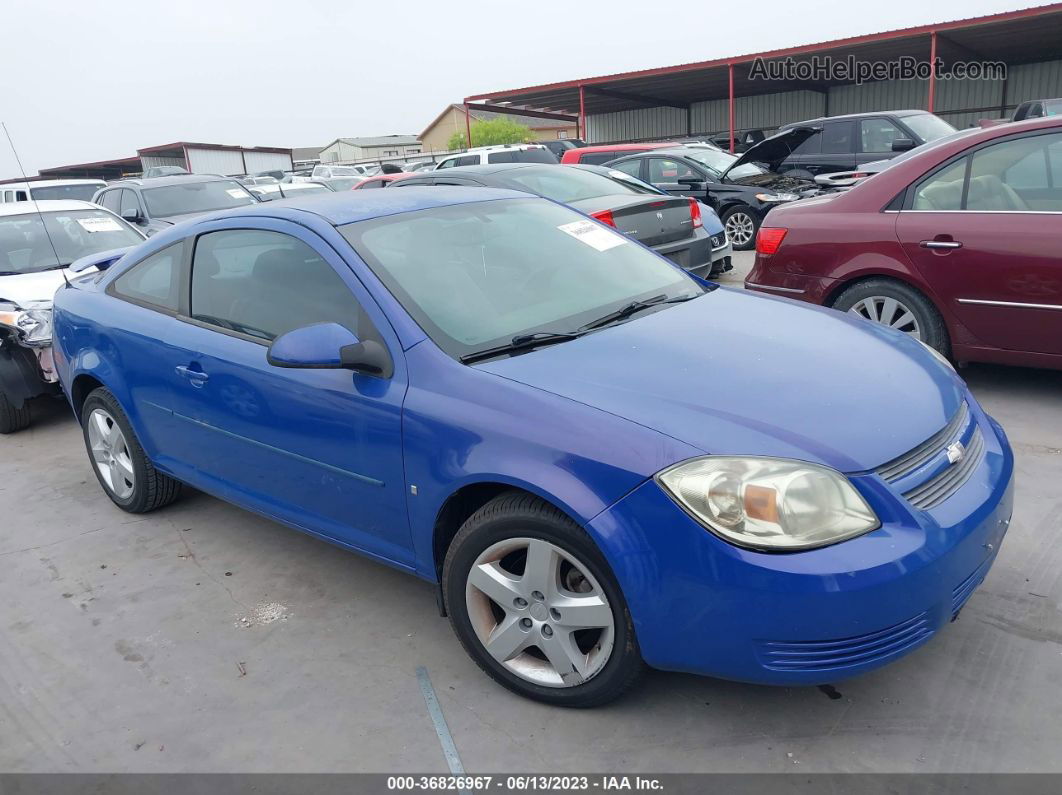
<point x="86" y="81"/>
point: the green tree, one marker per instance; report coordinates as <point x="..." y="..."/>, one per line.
<point x="489" y="132"/>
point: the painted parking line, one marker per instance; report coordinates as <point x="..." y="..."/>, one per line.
<point x="453" y="760"/>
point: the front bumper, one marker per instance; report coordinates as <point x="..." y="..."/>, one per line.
<point x="704" y="606"/>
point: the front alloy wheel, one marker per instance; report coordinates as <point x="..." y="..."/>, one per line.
<point x="535" y="604"/>
<point x="539" y="612"/>
<point x="740" y="228"/>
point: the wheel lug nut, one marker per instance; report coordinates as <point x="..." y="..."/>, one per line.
<point x="520" y="602"/>
<point x="554" y="613"/>
<point x="525" y="623"/>
<point x="547" y="630"/>
<point x="537" y="595"/>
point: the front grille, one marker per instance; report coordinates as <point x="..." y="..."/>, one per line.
<point x="831" y="655"/>
<point x="934" y="491"/>
<point x="931" y="493"/>
<point x="909" y="462"/>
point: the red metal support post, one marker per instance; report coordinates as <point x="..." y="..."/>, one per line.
<point x="582" y="114"/>
<point x="731" y="70"/>
<point x="932" y="70"/>
<point x="468" y="129"/>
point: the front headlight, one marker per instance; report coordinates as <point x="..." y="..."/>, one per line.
<point x="34" y="323"/>
<point x="777" y="197"/>
<point x="773" y="504"/>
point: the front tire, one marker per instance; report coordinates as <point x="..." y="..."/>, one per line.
<point x="118" y="460"/>
<point x="741" y="224"/>
<point x="536" y="606"/>
<point x="13" y="419"/>
<point x="898" y="306"/>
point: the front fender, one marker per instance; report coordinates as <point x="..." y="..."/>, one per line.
<point x="463" y="426"/>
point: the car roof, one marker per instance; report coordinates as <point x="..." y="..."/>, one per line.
<point x="49" y="183"/>
<point x="875" y="113"/>
<point x="485" y="170"/>
<point x="172" y="179"/>
<point x="350" y="206"/>
<point x="622" y="147"/>
<point x="46" y="206"/>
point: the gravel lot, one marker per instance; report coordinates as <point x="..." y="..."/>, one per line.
<point x="204" y="638"/>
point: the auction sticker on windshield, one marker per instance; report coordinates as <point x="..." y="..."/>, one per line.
<point x="99" y="224"/>
<point x="593" y="235"/>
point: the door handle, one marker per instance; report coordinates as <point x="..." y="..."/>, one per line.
<point x="196" y="377"/>
<point x="949" y="244"/>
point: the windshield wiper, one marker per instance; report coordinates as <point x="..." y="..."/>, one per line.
<point x="521" y="342"/>
<point x="632" y="308"/>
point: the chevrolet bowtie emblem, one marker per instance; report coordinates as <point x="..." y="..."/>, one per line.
<point x="956" y="452"/>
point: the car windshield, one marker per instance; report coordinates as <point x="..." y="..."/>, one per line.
<point x="717" y="162"/>
<point x="340" y="171"/>
<point x="474" y="276"/>
<point x="564" y="184"/>
<point x="83" y="192"/>
<point x="196" y="197"/>
<point x="928" y="127"/>
<point x="1053" y="107"/>
<point x="26" y="248"/>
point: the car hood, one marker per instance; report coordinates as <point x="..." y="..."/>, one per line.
<point x="25" y="288"/>
<point x="742" y="374"/>
<point x="770" y="152"/>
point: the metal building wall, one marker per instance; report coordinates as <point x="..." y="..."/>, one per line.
<point x="960" y="102"/>
<point x="763" y="112"/>
<point x="215" y="161"/>
<point x="883" y="95"/>
<point x="635" y="125"/>
<point x="147" y="161"/>
<point x="266" y="161"/>
<point x="1033" y="81"/>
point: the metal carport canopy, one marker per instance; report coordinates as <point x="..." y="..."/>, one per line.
<point x="1014" y="37"/>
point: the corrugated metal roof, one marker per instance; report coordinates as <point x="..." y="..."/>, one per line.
<point x="381" y="140"/>
<point x="1016" y="37"/>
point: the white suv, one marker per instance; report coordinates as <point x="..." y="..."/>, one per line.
<point x="502" y="153"/>
<point x="327" y="172"/>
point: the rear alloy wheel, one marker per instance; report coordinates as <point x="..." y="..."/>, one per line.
<point x="118" y="460"/>
<point x="534" y="603"/>
<point x="740" y="224"/>
<point x="898" y="306"/>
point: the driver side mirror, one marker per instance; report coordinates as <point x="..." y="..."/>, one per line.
<point x="329" y="346"/>
<point x="132" y="215"/>
<point x="902" y="144"/>
<point x="693" y="183"/>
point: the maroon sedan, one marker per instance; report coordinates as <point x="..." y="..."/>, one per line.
<point x="958" y="244"/>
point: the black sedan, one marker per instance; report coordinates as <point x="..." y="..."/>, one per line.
<point x="739" y="189"/>
<point x="670" y="225"/>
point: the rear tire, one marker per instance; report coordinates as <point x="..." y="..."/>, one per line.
<point x="544" y="619"/>
<point x="118" y="461"/>
<point x="899" y="306"/>
<point x="741" y="224"/>
<point x="13" y="419"/>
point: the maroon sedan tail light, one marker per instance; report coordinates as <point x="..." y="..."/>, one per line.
<point x="769" y="239"/>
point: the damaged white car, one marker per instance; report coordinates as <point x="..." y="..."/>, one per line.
<point x="38" y="242"/>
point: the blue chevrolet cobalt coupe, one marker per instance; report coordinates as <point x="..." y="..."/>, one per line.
<point x="499" y="395"/>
